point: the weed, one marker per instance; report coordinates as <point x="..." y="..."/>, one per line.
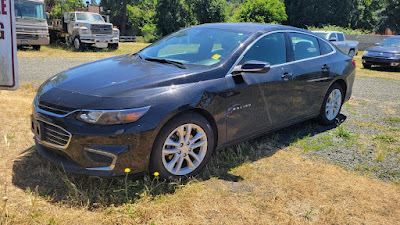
<point x="394" y="119"/>
<point x="342" y="133"/>
<point x="381" y="156"/>
<point x="384" y="138"/>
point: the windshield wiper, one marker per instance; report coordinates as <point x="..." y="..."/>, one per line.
<point x="167" y="61"/>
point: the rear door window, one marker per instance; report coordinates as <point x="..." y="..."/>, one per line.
<point x="325" y="47"/>
<point x="270" y="48"/>
<point x="304" y="46"/>
<point x="340" y="37"/>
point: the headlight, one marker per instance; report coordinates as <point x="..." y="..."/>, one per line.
<point x="365" y="52"/>
<point x="397" y="56"/>
<point x="110" y="117"/>
<point x="115" y="32"/>
<point x="84" y="30"/>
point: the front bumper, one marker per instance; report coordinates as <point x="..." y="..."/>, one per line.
<point x="381" y="61"/>
<point x="32" y="39"/>
<point x="59" y="140"/>
<point x="99" y="41"/>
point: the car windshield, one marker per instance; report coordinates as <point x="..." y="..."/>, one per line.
<point x="196" y="46"/>
<point x="322" y="34"/>
<point x="391" y="42"/>
<point x="89" y="17"/>
<point x="29" y="9"/>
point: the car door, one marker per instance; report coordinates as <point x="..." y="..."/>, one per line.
<point x="311" y="72"/>
<point x="259" y="101"/>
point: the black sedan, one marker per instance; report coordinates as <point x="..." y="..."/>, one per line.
<point x="167" y="107"/>
<point x="386" y="54"/>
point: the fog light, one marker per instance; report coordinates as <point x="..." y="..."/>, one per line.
<point x="394" y="64"/>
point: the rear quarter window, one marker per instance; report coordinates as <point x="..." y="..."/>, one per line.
<point x="325" y="47"/>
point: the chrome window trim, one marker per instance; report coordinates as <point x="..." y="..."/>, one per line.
<point x="287" y="63"/>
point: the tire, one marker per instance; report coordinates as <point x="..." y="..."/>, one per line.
<point x="328" y="114"/>
<point x="78" y="45"/>
<point x="367" y="66"/>
<point x="176" y="155"/>
<point x="352" y="53"/>
<point x="36" y="47"/>
<point x="113" y="47"/>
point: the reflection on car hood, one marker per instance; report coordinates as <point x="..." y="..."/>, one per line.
<point x="121" y="77"/>
<point x="385" y="49"/>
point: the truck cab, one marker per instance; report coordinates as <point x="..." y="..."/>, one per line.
<point x="337" y="38"/>
<point x="89" y="29"/>
<point x="31" y="25"/>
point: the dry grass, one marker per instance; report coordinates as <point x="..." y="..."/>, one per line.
<point x="61" y="50"/>
<point x="253" y="183"/>
<point x="375" y="72"/>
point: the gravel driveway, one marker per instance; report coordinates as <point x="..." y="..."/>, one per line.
<point x="40" y="69"/>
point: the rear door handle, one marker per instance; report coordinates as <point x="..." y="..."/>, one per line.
<point x="287" y="76"/>
<point x="325" y="67"/>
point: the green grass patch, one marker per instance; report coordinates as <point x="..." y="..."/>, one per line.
<point x="384" y="138"/>
<point x="394" y="119"/>
<point x="342" y="132"/>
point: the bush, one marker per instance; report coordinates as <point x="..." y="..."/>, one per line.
<point x="262" y="11"/>
<point x="339" y="29"/>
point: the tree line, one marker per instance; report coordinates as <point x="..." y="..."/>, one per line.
<point x="155" y="18"/>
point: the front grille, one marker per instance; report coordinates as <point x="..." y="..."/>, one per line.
<point x="55" y="135"/>
<point x="56" y="109"/>
<point x="27" y="36"/>
<point x="101" y="29"/>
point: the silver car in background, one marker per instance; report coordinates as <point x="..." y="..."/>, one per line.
<point x="337" y="38"/>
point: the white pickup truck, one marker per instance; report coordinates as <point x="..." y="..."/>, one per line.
<point x="338" y="39"/>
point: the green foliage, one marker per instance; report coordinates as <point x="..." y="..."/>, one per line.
<point x="263" y="11"/>
<point x="210" y="11"/>
<point x="171" y="15"/>
<point x="66" y="6"/>
<point x="339" y="29"/>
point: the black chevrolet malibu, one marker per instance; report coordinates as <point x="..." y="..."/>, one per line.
<point x="167" y="107"/>
<point x="385" y="54"/>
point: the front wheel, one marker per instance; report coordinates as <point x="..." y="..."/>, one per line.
<point x="183" y="147"/>
<point x="113" y="47"/>
<point x="332" y="105"/>
<point x="78" y="45"/>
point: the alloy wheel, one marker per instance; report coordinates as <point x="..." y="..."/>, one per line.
<point x="184" y="149"/>
<point x="333" y="104"/>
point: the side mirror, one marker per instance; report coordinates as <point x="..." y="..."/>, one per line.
<point x="377" y="44"/>
<point x="332" y="39"/>
<point x="253" y="66"/>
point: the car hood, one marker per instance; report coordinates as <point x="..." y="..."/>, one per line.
<point x="122" y="77"/>
<point x="385" y="49"/>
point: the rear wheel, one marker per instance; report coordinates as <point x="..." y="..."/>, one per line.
<point x="332" y="105"/>
<point x="36" y="47"/>
<point x="352" y="53"/>
<point x="113" y="46"/>
<point x="183" y="147"/>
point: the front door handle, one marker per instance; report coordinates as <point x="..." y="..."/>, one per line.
<point x="287" y="76"/>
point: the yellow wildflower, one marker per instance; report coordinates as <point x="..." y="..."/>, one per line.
<point x="127" y="170"/>
<point x="156" y="174"/>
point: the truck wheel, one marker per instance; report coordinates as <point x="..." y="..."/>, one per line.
<point x="78" y="45"/>
<point x="36" y="47"/>
<point x="113" y="46"/>
<point x="352" y="53"/>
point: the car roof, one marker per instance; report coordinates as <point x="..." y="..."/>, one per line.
<point x="326" y="31"/>
<point x="393" y="37"/>
<point x="250" y="27"/>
